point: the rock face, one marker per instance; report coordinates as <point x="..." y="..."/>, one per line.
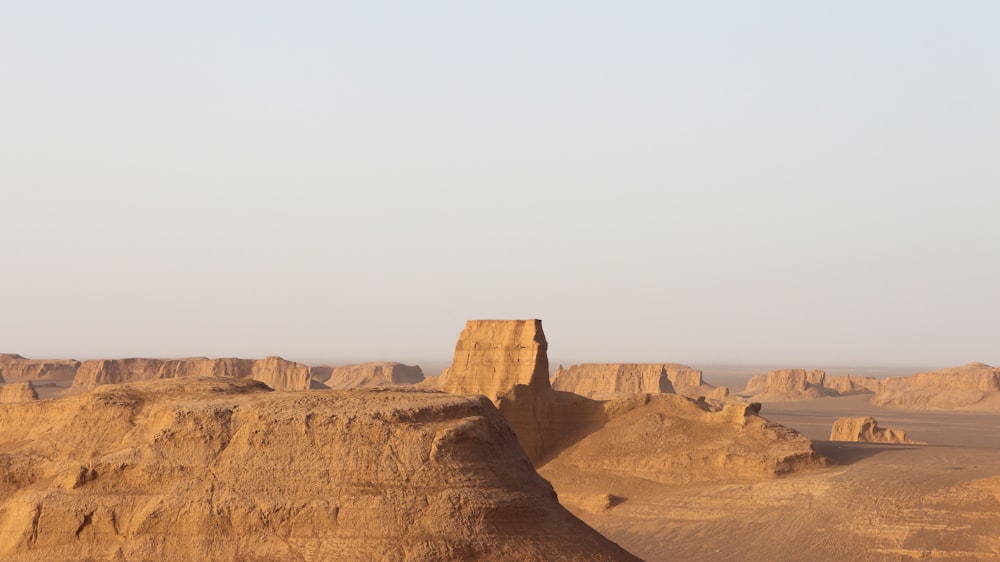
<point x="275" y="372"/>
<point x="373" y="374"/>
<point x="975" y="386"/>
<point x="845" y="385"/>
<point x="865" y="429"/>
<point x="492" y="356"/>
<point x="598" y="380"/>
<point x="789" y="384"/>
<point x="18" y="369"/>
<point x="224" y="469"/>
<point x="18" y="392"/>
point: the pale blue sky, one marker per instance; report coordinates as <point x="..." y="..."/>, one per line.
<point x="785" y="182"/>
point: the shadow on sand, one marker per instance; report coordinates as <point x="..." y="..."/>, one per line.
<point x="848" y="452"/>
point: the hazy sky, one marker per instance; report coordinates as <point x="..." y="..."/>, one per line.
<point x="788" y="182"/>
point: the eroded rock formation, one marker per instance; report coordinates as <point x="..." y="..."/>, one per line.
<point x="18" y="392"/>
<point x="788" y="384"/>
<point x="975" y="386"/>
<point x="492" y="356"/>
<point x="224" y="469"/>
<point x="18" y="369"/>
<point x="599" y="380"/>
<point x="366" y="375"/>
<point x="605" y="380"/>
<point x="278" y="373"/>
<point x="865" y="429"/>
<point x="845" y="385"/>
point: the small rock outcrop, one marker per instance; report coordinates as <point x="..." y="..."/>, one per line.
<point x="19" y="369"/>
<point x="373" y="374"/>
<point x="492" y="356"/>
<point x="277" y="373"/>
<point x="600" y="380"/>
<point x="18" y="392"/>
<point x="866" y="429"/>
<point x="975" y="386"/>
<point x="788" y="384"/>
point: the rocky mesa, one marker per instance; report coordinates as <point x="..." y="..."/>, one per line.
<point x="220" y="468"/>
<point x="975" y="386"/>
<point x="16" y="368"/>
<point x="275" y="372"/>
<point x="787" y="385"/>
<point x="373" y="374"/>
<point x="599" y="380"/>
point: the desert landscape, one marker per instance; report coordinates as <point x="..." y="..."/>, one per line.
<point x="493" y="459"/>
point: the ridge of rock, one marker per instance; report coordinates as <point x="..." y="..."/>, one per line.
<point x="975" y="386"/>
<point x="278" y="373"/>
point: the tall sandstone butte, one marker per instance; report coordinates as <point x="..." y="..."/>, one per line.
<point x="492" y="356"/>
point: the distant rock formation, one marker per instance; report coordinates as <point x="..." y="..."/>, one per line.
<point x="18" y="369"/>
<point x="975" y="386"/>
<point x="277" y="373"/>
<point x="96" y="372"/>
<point x="366" y="375"/>
<point x="18" y="392"/>
<point x="492" y="356"/>
<point x="846" y="385"/>
<point x="605" y="380"/>
<point x="866" y="429"/>
<point x="600" y="380"/>
<point x="788" y="384"/>
<point x="219" y="468"/>
<point x="281" y="374"/>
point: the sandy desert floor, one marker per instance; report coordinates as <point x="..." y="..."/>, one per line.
<point x="874" y="502"/>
